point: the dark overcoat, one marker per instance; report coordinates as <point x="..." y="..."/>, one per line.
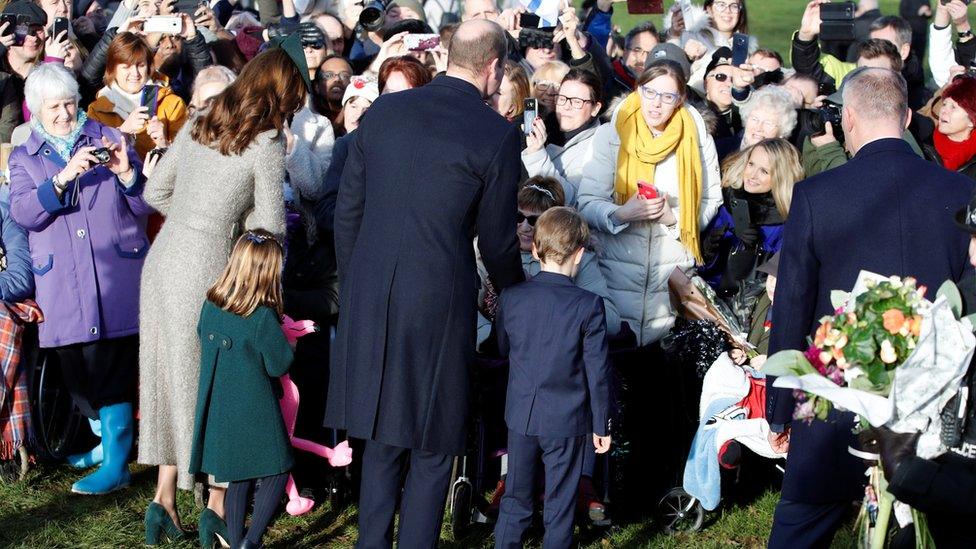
<point x="239" y="433"/>
<point x="886" y="211"/>
<point x="428" y="170"/>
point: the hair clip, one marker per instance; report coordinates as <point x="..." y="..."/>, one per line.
<point x="260" y="238"/>
<point x="541" y="190"/>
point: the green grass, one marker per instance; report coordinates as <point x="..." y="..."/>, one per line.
<point x="40" y="512"/>
<point x="771" y="21"/>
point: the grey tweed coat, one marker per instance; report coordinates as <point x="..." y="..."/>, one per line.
<point x="205" y="197"/>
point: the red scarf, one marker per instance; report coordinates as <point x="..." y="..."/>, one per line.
<point x="624" y="74"/>
<point x="955" y="153"/>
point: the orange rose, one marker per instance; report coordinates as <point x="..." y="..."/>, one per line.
<point x="821" y="335"/>
<point x="893" y="320"/>
<point x="915" y="325"/>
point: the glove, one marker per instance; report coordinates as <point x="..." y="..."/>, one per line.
<point x="893" y="447"/>
<point x="711" y="243"/>
<point x="311" y="34"/>
<point x="748" y="235"/>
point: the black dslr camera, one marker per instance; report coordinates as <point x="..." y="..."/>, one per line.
<point x="373" y="15"/>
<point x="828" y="112"/>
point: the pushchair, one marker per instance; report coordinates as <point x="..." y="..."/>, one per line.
<point x="732" y="410"/>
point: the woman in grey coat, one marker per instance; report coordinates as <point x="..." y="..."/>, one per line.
<point x="223" y="173"/>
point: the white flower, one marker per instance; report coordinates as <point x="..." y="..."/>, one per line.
<point x="888" y="353"/>
<point x="895" y="282"/>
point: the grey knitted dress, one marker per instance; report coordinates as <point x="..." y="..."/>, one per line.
<point x="206" y="197"/>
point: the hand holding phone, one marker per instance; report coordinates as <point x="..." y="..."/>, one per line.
<point x="163" y="24"/>
<point x="529" y="112"/>
<point x="646" y="190"/>
<point x="61" y="25"/>
<point x="421" y="42"/>
<point x="740" y="49"/>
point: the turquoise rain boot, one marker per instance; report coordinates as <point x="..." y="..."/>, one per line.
<point x="91" y="457"/>
<point x="113" y="474"/>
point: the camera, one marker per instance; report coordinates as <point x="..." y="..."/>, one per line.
<point x="372" y="16"/>
<point x="828" y="112"/>
<point x="102" y="155"/>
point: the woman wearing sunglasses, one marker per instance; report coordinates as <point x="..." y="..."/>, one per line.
<point x="718" y="92"/>
<point x="563" y="153"/>
<point x="652" y="184"/>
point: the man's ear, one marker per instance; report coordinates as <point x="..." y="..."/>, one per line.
<point x="908" y="119"/>
<point x="578" y="257"/>
<point x="535" y="253"/>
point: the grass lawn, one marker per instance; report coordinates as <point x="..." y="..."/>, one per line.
<point x="40" y="512"/>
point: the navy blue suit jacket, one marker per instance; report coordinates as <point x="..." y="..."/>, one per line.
<point x="886" y="211"/>
<point x="555" y="336"/>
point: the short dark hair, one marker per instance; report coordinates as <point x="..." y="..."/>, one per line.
<point x="540" y="193"/>
<point x="876" y="47"/>
<point x="589" y="80"/>
<point x="475" y="52"/>
<point x="900" y="26"/>
<point x="646" y="26"/>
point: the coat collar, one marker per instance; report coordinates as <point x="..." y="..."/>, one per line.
<point x="888" y="144"/>
<point x="457" y="84"/>
<point x="553" y="278"/>
<point x="35" y="141"/>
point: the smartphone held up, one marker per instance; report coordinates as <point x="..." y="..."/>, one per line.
<point x="640" y="7"/>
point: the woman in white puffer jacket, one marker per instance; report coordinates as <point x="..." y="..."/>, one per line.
<point x="654" y="137"/>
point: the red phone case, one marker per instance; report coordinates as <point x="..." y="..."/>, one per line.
<point x="645" y="6"/>
<point x="646" y="190"/>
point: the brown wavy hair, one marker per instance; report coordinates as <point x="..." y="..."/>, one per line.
<point x="268" y="92"/>
<point x="252" y="277"/>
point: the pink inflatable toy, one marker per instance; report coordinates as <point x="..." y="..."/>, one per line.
<point x="340" y="456"/>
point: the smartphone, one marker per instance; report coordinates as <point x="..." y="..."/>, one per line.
<point x="637" y="7"/>
<point x="148" y="100"/>
<point x="740" y="212"/>
<point x="164" y="24"/>
<point x="837" y="21"/>
<point x="61" y="24"/>
<point x="11" y="20"/>
<point x="529" y="112"/>
<point x="646" y="190"/>
<point x="421" y="42"/>
<point x="740" y="49"/>
<point x="529" y="21"/>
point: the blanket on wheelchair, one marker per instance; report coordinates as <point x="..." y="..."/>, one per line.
<point x="728" y="412"/>
<point x="14" y="397"/>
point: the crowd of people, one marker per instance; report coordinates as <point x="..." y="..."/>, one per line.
<point x="184" y="174"/>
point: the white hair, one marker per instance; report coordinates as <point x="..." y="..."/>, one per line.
<point x="49" y="81"/>
<point x="211" y="74"/>
<point x="777" y="100"/>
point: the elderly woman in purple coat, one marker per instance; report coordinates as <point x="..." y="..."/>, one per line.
<point x="77" y="189"/>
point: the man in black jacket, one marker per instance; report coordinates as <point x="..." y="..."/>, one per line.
<point x="428" y="170"/>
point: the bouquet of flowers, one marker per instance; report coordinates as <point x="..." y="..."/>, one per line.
<point x="893" y="358"/>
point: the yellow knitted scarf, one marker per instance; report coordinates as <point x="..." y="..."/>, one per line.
<point x="640" y="152"/>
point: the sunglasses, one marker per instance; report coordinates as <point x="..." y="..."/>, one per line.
<point x="317" y="45"/>
<point x="520" y="217"/>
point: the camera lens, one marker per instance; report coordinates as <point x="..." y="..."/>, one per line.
<point x="372" y="16"/>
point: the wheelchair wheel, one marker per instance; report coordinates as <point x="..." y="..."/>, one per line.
<point x="678" y="511"/>
<point x="461" y="499"/>
<point x="55" y="421"/>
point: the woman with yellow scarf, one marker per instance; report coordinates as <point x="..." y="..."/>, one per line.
<point x="654" y="139"/>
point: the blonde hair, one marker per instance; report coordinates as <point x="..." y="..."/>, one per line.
<point x="559" y="233"/>
<point x="785" y="170"/>
<point x="550" y="71"/>
<point x="252" y="277"/>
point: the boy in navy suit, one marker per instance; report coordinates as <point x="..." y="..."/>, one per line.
<point x="555" y="336"/>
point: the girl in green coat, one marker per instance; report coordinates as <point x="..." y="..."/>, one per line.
<point x="239" y="435"/>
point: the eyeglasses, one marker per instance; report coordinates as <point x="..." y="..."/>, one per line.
<point x="724" y="6"/>
<point x="544" y="85"/>
<point x="764" y="124"/>
<point x="639" y="52"/>
<point x="317" y="45"/>
<point x="575" y="102"/>
<point x="719" y="76"/>
<point x="667" y="98"/>
<point x="520" y="217"/>
<point x="344" y="76"/>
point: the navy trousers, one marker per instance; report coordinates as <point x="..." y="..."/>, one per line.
<point x="562" y="459"/>
<point x="806" y="525"/>
<point x="424" y="477"/>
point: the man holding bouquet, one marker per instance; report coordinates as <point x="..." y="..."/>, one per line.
<point x="896" y="204"/>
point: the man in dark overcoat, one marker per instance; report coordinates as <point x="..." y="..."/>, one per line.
<point x="428" y="170"/>
<point x="886" y="211"/>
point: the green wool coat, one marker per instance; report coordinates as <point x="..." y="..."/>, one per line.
<point x="239" y="433"/>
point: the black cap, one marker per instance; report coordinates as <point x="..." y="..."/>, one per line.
<point x="672" y="53"/>
<point x="966" y="217"/>
<point x="722" y="56"/>
<point x="28" y="11"/>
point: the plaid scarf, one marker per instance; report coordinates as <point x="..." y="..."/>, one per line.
<point x="14" y="400"/>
